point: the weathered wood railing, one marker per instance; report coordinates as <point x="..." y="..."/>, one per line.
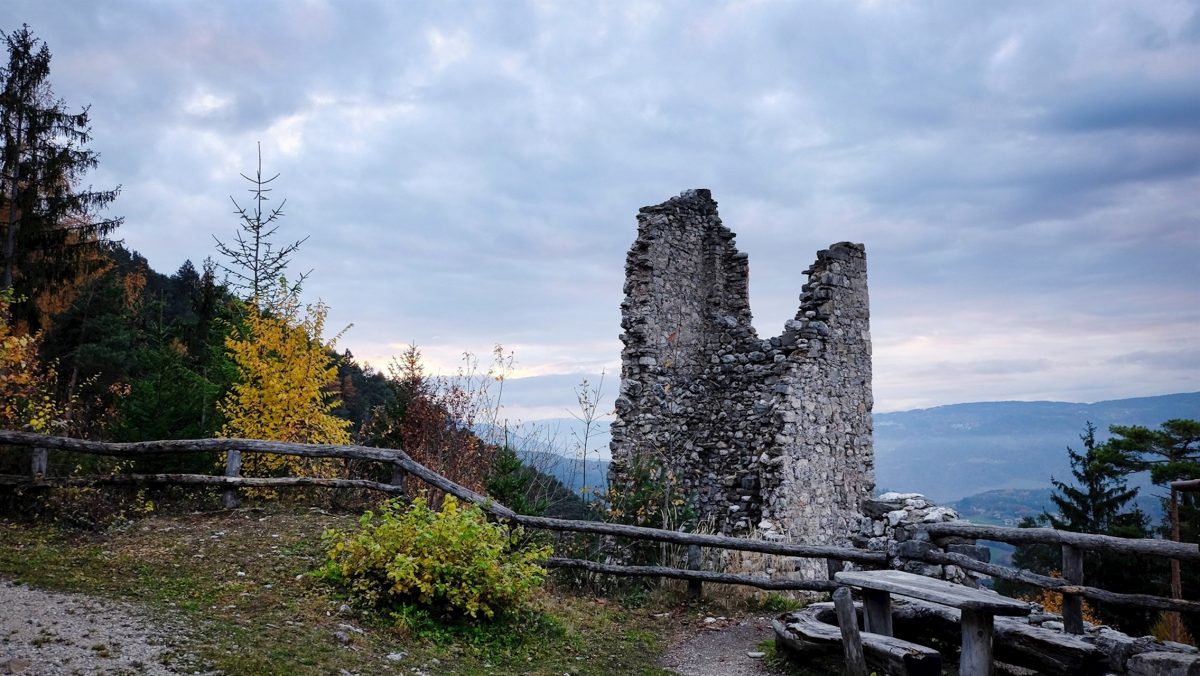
<point x="403" y="464"/>
<point x="1073" y="545"/>
<point x="1071" y="585"/>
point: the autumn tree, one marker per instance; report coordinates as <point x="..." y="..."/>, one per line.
<point x="256" y="262"/>
<point x="49" y="226"/>
<point x="284" y="374"/>
<point x="27" y="400"/>
<point x="434" y="420"/>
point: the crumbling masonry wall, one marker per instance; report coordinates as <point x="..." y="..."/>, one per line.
<point x="763" y="435"/>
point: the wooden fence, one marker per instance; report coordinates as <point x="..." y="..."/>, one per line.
<point x="921" y="549"/>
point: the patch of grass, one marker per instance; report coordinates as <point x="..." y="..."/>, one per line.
<point x="239" y="585"/>
<point x="779" y="603"/>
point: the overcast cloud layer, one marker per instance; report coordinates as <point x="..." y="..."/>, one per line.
<point x="1025" y="176"/>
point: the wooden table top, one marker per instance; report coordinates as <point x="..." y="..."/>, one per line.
<point x="937" y="591"/>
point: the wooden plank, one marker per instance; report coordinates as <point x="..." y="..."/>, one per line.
<point x="852" y="648"/>
<point x="801" y="632"/>
<point x="1014" y="641"/>
<point x="701" y="575"/>
<point x="877" y="612"/>
<point x="938" y="591"/>
<point x="1072" y="605"/>
<point x="1085" y="541"/>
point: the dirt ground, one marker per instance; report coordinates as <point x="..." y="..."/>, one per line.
<point x="723" y="647"/>
<point x="52" y="634"/>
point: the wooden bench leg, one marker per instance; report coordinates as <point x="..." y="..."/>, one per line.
<point x="976" y="659"/>
<point x="852" y="647"/>
<point x="877" y="612"/>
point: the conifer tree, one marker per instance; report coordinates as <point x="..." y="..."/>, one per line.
<point x="1170" y="453"/>
<point x="255" y="263"/>
<point x="49" y="227"/>
<point x="1097" y="501"/>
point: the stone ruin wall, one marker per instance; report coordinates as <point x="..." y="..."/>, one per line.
<point x="767" y="436"/>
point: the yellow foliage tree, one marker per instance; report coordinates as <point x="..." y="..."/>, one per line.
<point x="282" y="393"/>
<point x="26" y="389"/>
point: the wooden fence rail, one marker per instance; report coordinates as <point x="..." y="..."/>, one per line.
<point x="1073" y="543"/>
<point x="1070" y="585"/>
<point x="403" y="463"/>
<point x="1187" y="551"/>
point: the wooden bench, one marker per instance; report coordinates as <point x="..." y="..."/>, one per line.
<point x="978" y="607"/>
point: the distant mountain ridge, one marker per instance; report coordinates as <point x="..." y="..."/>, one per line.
<point x="951" y="452"/>
<point x="960" y="450"/>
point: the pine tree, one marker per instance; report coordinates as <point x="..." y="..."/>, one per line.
<point x="1099" y="496"/>
<point x="49" y="227"/>
<point x="255" y="265"/>
<point x="1099" y="502"/>
<point x="1170" y="453"/>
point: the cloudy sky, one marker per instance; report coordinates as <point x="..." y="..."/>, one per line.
<point x="1025" y="175"/>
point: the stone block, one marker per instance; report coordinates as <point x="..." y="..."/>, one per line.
<point x="977" y="552"/>
<point x="1163" y="664"/>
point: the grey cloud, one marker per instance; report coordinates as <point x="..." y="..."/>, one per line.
<point x="1159" y="105"/>
<point x="1166" y="359"/>
<point x="1029" y="161"/>
<point x="991" y="367"/>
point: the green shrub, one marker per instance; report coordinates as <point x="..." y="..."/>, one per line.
<point x="453" y="563"/>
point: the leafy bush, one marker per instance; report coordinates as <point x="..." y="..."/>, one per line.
<point x="453" y="563"/>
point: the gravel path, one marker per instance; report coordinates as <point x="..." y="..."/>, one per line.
<point x="723" y="647"/>
<point x="52" y="633"/>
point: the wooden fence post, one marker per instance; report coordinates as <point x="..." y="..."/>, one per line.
<point x="399" y="476"/>
<point x="877" y="612"/>
<point x="833" y="567"/>
<point x="856" y="662"/>
<point x="1072" y="605"/>
<point x="695" y="587"/>
<point x="233" y="467"/>
<point x="39" y="461"/>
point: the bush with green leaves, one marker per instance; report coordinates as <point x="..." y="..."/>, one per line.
<point x="452" y="563"/>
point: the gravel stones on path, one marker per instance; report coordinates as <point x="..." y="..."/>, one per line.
<point x="51" y="633"/>
<point x="722" y="647"/>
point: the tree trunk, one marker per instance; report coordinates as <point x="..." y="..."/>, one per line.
<point x="10" y="233"/>
<point x="1173" y="619"/>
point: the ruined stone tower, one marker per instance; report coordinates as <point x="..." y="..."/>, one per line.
<point x="763" y="435"/>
